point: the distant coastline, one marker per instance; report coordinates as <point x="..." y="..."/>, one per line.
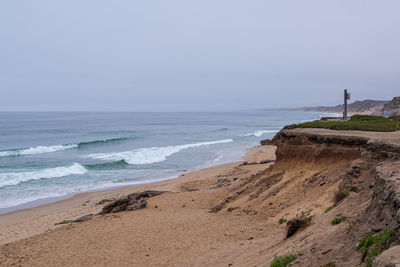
<point x="364" y="107"/>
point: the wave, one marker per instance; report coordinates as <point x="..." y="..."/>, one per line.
<point x="218" y="158"/>
<point x="150" y="155"/>
<point x="35" y="150"/>
<point x="259" y="133"/>
<point x="222" y="130"/>
<point x="82" y="144"/>
<point x="14" y="178"/>
<point x="107" y="165"/>
<point x="48" y="149"/>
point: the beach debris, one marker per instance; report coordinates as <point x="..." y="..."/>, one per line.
<point x="130" y="202"/>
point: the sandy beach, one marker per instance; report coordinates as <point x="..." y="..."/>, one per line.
<point x="179" y="218"/>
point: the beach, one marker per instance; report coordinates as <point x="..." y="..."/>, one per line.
<point x="180" y="203"/>
<point x="235" y="214"/>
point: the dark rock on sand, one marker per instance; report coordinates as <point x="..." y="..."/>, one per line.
<point x="130" y="202"/>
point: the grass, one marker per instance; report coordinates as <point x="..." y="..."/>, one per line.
<point x="309" y="219"/>
<point x="356" y="123"/>
<point x="373" y="245"/>
<point x="282" y="220"/>
<point x="337" y="220"/>
<point x="282" y="261"/>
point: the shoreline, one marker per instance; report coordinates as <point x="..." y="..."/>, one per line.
<point x="49" y="200"/>
<point x="228" y="215"/>
<point x="23" y="223"/>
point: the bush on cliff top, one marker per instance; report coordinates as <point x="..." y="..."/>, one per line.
<point x="356" y="123"/>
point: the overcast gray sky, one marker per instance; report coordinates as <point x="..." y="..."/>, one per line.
<point x="195" y="55"/>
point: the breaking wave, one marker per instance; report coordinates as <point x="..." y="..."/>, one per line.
<point x="35" y="150"/>
<point x="260" y="133"/>
<point x="96" y="142"/>
<point x="150" y="155"/>
<point x="48" y="149"/>
<point x="14" y="178"/>
<point x="107" y="165"/>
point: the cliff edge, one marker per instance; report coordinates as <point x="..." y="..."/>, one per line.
<point x="328" y="193"/>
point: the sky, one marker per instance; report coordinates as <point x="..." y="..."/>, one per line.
<point x="208" y="55"/>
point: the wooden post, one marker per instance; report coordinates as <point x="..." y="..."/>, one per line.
<point x="345" y="104"/>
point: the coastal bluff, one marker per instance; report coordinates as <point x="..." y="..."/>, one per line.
<point x="315" y="194"/>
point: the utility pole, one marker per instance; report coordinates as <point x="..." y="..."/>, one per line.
<point x="346" y="97"/>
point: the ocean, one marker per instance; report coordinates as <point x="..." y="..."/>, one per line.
<point x="49" y="156"/>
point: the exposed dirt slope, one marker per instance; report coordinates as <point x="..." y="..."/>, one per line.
<point x="311" y="167"/>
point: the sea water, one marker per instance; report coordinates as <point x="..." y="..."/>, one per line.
<point x="53" y="155"/>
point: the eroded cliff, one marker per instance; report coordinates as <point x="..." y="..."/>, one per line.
<point x="323" y="176"/>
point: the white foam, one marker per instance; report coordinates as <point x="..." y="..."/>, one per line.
<point x="218" y="158"/>
<point x="260" y="133"/>
<point x="151" y="155"/>
<point x="14" y="178"/>
<point x="36" y="150"/>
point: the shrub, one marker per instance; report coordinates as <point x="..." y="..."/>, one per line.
<point x="371" y="246"/>
<point x="358" y="117"/>
<point x="309" y="219"/>
<point x="357" y="123"/>
<point x="282" y="261"/>
<point x="337" y="220"/>
<point x="282" y="220"/>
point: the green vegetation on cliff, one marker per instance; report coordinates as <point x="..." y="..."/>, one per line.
<point x="282" y="261"/>
<point x="373" y="245"/>
<point x="357" y="123"/>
